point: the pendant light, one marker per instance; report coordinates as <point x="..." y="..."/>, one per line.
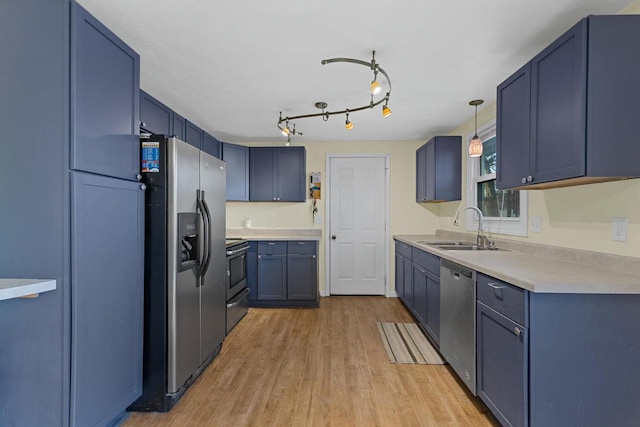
<point x="475" y="146"/>
<point x="348" y="124"/>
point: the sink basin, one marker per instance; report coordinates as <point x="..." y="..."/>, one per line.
<point x="463" y="248"/>
<point x="457" y="246"/>
<point x="425" y="242"/>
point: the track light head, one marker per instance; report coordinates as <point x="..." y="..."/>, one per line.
<point x="386" y="111"/>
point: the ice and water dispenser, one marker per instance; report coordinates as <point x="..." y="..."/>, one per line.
<point x="187" y="241"/>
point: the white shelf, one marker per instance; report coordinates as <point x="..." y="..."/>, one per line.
<point x="24" y="288"/>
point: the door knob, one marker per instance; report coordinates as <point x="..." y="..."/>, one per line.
<point x="333" y="237"/>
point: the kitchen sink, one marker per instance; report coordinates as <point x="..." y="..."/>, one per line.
<point x="426" y="242"/>
<point x="457" y="246"/>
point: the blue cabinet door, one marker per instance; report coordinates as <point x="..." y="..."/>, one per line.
<point x="439" y="170"/>
<point x="558" y="108"/>
<point x="179" y="127"/>
<point x="107" y="285"/>
<point x="419" y="306"/>
<point x="502" y="367"/>
<point x="155" y="117"/>
<point x="432" y="321"/>
<point x="212" y="146"/>
<point x="399" y="276"/>
<point x="237" y="159"/>
<point x="272" y="277"/>
<point x="277" y="174"/>
<point x="513" y="125"/>
<point x="302" y="276"/>
<point x="194" y="135"/>
<point x="421" y="170"/>
<point x="290" y="174"/>
<point x="105" y="99"/>
<point x="262" y="178"/>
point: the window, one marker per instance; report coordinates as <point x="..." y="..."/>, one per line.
<point x="505" y="211"/>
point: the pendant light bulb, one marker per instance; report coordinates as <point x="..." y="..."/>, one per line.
<point x="475" y="146"/>
<point x="347" y="124"/>
<point x="375" y="87"/>
<point x="286" y="131"/>
<point x="386" y="111"/>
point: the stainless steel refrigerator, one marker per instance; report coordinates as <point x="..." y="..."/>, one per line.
<point x="185" y="307"/>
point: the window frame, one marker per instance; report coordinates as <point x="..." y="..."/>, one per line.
<point x="495" y="225"/>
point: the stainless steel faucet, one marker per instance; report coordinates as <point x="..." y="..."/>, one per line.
<point x="480" y="239"/>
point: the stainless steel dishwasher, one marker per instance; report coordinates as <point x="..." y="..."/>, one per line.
<point x="458" y="320"/>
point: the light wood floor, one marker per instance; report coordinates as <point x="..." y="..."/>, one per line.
<point x="320" y="367"/>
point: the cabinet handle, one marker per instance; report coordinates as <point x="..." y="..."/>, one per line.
<point x="524" y="180"/>
<point x="494" y="285"/>
<point x="517" y="331"/>
<point x="259" y="256"/>
<point x="278" y="198"/>
<point x="143" y="187"/>
<point x="143" y="124"/>
<point x="529" y="178"/>
<point x="138" y="177"/>
<point x="271" y="244"/>
<point x="274" y="198"/>
<point x="301" y="243"/>
<point x="313" y="256"/>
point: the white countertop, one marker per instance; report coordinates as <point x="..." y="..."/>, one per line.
<point x="275" y="233"/>
<point x="17" y="288"/>
<point x="535" y="273"/>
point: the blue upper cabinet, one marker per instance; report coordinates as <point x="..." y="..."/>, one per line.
<point x="105" y="99"/>
<point x="194" y="135"/>
<point x="211" y="146"/>
<point x="155" y="117"/>
<point x="514" y="128"/>
<point x="439" y="169"/>
<point x="569" y="117"/>
<point x="237" y="159"/>
<point x="277" y="174"/>
<point x="179" y="127"/>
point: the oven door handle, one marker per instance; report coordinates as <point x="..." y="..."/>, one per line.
<point x="237" y="251"/>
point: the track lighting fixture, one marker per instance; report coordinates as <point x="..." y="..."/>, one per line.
<point x="376" y="88"/>
<point x="475" y="146"/>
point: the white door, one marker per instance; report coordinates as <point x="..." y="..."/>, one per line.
<point x="357" y="235"/>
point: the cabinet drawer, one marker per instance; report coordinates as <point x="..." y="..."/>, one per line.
<point x="506" y="299"/>
<point x="426" y="260"/>
<point x="272" y="248"/>
<point x="306" y="247"/>
<point x="403" y="249"/>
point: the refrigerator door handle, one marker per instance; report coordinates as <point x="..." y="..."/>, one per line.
<point x="205" y="234"/>
<point x="207" y="260"/>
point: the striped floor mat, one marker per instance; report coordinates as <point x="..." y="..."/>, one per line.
<point x="405" y="343"/>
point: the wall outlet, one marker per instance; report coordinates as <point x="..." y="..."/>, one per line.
<point x="317" y="219"/>
<point x="620" y="229"/>
<point x="536" y="224"/>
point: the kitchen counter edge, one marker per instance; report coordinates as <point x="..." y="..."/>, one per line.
<point x="533" y="272"/>
<point x="19" y="288"/>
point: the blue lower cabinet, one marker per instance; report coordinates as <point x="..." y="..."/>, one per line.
<point x="432" y="320"/>
<point x="272" y="277"/>
<point x="283" y="274"/>
<point x="302" y="277"/>
<point x="502" y="369"/>
<point x="107" y="286"/>
<point x="419" y="307"/>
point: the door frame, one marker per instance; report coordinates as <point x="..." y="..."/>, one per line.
<point x="329" y="157"/>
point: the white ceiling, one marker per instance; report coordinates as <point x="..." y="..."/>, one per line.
<point x="232" y="66"/>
